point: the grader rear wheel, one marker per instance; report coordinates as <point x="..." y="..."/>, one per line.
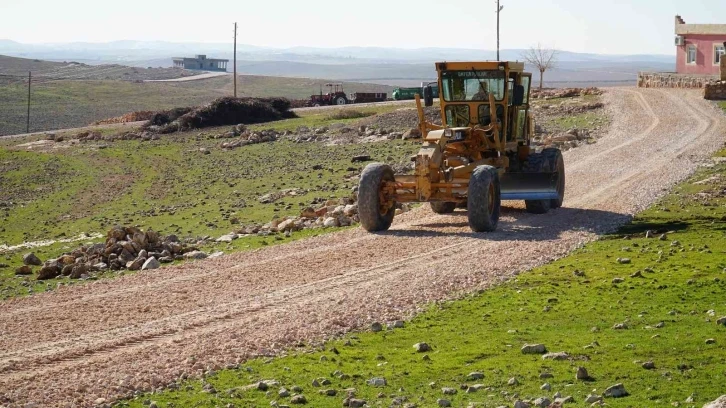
<point x="376" y="207"/>
<point x="484" y="201"/>
<point x="550" y="160"/>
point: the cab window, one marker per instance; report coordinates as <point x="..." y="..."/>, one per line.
<point x="485" y="118"/>
<point x="457" y="115"/>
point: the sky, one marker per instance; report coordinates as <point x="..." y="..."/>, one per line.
<point x="593" y="26"/>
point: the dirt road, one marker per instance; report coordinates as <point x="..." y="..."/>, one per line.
<point x="109" y="338"/>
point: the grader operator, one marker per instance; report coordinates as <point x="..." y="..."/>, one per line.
<point x="482" y="154"/>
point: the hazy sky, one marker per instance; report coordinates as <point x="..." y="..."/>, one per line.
<point x="609" y="27"/>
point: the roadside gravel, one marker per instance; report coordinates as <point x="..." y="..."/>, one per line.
<point x="110" y="338"/>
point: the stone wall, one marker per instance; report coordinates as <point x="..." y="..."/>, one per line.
<point x="673" y="80"/>
<point x="723" y="68"/>
<point x="715" y="92"/>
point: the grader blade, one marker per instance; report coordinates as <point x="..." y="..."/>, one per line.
<point x="529" y="186"/>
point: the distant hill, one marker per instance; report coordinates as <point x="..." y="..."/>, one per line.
<point x="390" y="66"/>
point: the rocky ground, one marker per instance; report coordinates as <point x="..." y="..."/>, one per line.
<point x="138" y="333"/>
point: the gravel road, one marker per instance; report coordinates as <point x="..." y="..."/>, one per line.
<point x="109" y="338"/>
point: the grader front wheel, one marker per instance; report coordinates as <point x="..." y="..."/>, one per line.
<point x="376" y="206"/>
<point x="484" y="201"/>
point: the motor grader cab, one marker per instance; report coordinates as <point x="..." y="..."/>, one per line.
<point x="479" y="156"/>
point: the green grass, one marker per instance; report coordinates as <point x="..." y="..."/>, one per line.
<point x="167" y="185"/>
<point x="722" y="104"/>
<point x="74" y="103"/>
<point x="683" y="277"/>
<point x="579" y="121"/>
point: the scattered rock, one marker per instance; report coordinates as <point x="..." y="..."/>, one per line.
<point x="228" y="237"/>
<point x="24" y="270"/>
<point x="377" y="382"/>
<point x="151" y="263"/>
<point x="422" y="347"/>
<point x="719" y="403"/>
<point x="521" y="404"/>
<point x="546" y="387"/>
<point x="298" y="399"/>
<point x="582" y="374"/>
<point x="721" y="321"/>
<point x="476" y="375"/>
<point x="620" y="326"/>
<point x="448" y="391"/>
<point x="195" y="255"/>
<point x="543" y="402"/>
<point x="623" y="261"/>
<point x="592" y="398"/>
<point x="556" y="356"/>
<point x="31" y="259"/>
<point x="649" y="365"/>
<point x="50" y="270"/>
<point x="513" y="381"/>
<point x="354" y="403"/>
<point x="710" y="341"/>
<point x="443" y="402"/>
<point x="534" y="349"/>
<point x="376" y="327"/>
<point x="616" y="391"/>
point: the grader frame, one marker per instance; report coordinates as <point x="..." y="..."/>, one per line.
<point x="485" y="135"/>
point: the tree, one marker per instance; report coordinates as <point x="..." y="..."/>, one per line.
<point x="542" y="58"/>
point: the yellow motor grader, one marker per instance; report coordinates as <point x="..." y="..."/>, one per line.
<point x="479" y="156"/>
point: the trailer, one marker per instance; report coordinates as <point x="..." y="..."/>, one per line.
<point x="402" y="94"/>
<point x="367" y="97"/>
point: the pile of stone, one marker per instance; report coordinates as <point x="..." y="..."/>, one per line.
<point x="564" y="92"/>
<point x="330" y="214"/>
<point x="569" y="140"/>
<point x="569" y="109"/>
<point x="246" y="137"/>
<point x="125" y="248"/>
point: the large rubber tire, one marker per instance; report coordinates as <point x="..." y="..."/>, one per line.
<point x="340" y="100"/>
<point x="484" y="201"/>
<point x="369" y="206"/>
<point x="538" y="163"/>
<point x="557" y="164"/>
<point x="443" y="207"/>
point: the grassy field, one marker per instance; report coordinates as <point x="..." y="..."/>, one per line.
<point x="68" y="190"/>
<point x="667" y="298"/>
<point x="722" y="104"/>
<point x="74" y="103"/>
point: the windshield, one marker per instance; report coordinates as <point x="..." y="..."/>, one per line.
<point x="472" y="85"/>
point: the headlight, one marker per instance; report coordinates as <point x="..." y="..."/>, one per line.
<point x="459" y="135"/>
<point x="448" y="132"/>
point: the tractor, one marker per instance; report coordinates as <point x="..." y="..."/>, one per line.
<point x="335" y="96"/>
<point x="482" y="154"/>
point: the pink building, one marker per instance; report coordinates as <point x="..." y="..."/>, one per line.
<point x="700" y="47"/>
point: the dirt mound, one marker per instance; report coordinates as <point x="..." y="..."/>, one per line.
<point x="223" y="111"/>
<point x="402" y="119"/>
<point x="129" y="117"/>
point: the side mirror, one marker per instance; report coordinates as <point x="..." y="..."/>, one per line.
<point x="518" y="97"/>
<point x="428" y="95"/>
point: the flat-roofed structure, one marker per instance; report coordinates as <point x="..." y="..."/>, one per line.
<point x="201" y="63"/>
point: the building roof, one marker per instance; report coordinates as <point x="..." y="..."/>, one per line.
<point x="197" y="59"/>
<point x="707" y="29"/>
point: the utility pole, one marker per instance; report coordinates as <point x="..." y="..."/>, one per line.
<point x="499" y="10"/>
<point x="27" y="124"/>
<point x="234" y="63"/>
